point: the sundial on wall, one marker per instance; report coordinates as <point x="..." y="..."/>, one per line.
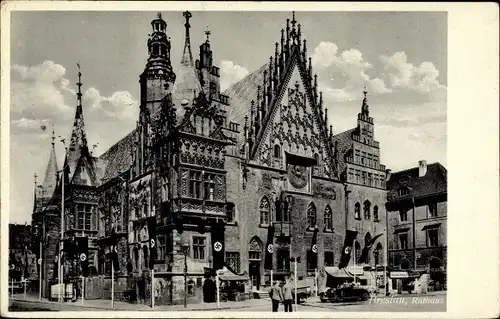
<point x="297" y="175"/>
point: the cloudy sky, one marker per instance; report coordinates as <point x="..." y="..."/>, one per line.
<point x="400" y="57"/>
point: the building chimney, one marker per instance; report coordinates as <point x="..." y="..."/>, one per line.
<point x="387" y="174"/>
<point x="422" y="168"/>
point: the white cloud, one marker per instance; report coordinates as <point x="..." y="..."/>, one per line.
<point x="403" y="74"/>
<point x="231" y="73"/>
<point x="349" y="73"/>
<point x="41" y="95"/>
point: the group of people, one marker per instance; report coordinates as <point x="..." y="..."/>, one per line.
<point x="283" y="294"/>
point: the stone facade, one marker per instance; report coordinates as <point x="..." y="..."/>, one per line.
<point x="417" y="230"/>
<point x="220" y="158"/>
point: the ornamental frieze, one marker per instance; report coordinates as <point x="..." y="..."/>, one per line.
<point x="85" y="196"/>
<point x="322" y="191"/>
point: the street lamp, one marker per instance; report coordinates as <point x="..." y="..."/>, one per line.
<point x="185" y="247"/>
<point x="375" y="259"/>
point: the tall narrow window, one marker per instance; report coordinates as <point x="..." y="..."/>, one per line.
<point x="230" y="213"/>
<point x="403" y="241"/>
<point x="375" y="213"/>
<point x="311" y="216"/>
<point x="145" y="254"/>
<point x="366" y="209"/>
<point x="264" y="211"/>
<point x="198" y="248"/>
<point x="357" y="209"/>
<point x="195" y="184"/>
<point x="432" y="238"/>
<point x="283" y="259"/>
<point x="233" y="260"/>
<point x="208" y="186"/>
<point x="433" y="210"/>
<point x="403" y="216"/>
<point x="277" y="151"/>
<point x="328" y="218"/>
<point x="329" y="258"/>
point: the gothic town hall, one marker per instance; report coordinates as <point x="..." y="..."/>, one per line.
<point x="208" y="179"/>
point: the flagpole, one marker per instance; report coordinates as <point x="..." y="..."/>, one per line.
<point x="152" y="288"/>
<point x="218" y="287"/>
<point x="61" y="245"/>
<point x="354" y="261"/>
<point x="295" y="280"/>
<point x="271" y="278"/>
<point x="316" y="281"/>
<point x="112" y="285"/>
<point x="40" y="275"/>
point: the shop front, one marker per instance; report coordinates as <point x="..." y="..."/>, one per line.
<point x="234" y="287"/>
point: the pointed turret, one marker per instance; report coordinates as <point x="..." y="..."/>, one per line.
<point x="50" y="181"/>
<point x="78" y="143"/>
<point x="187" y="86"/>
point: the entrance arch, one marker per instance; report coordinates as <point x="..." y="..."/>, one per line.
<point x="255" y="261"/>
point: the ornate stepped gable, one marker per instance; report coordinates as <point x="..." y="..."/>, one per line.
<point x="286" y="108"/>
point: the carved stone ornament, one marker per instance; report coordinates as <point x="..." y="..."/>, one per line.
<point x="298" y="176"/>
<point x="323" y="191"/>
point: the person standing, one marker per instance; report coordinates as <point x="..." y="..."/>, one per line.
<point x="288" y="295"/>
<point x="276" y="296"/>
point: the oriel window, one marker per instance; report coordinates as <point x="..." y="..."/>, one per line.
<point x="328" y="218"/>
<point x="264" y="211"/>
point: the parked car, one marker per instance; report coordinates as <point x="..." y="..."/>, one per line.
<point x="343" y="293"/>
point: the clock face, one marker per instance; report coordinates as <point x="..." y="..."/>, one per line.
<point x="298" y="176"/>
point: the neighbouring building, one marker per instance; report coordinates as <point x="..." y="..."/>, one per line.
<point x="22" y="260"/>
<point x="202" y="164"/>
<point x="417" y="220"/>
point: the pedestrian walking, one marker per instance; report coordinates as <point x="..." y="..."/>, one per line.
<point x="288" y="295"/>
<point x="276" y="296"/>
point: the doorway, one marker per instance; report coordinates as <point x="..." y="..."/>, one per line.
<point x="255" y="274"/>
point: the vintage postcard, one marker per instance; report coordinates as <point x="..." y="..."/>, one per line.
<point x="225" y="159"/>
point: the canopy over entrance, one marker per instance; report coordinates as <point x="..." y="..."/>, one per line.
<point x="227" y="275"/>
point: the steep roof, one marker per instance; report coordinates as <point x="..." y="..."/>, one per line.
<point x="116" y="159"/>
<point x="241" y="95"/>
<point x="50" y="179"/>
<point x="433" y="182"/>
<point x="344" y="145"/>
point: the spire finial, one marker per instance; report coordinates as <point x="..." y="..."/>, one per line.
<point x="293" y="19"/>
<point x="53" y="135"/>
<point x="364" y="92"/>
<point x="364" y="107"/>
<point x="35" y="177"/>
<point x="158" y="15"/>
<point x="79" y="84"/>
<point x="187" y="56"/>
<point x="207" y="33"/>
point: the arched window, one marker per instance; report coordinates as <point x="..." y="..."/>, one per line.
<point x="328" y="218"/>
<point x="264" y="211"/>
<point x="379" y="254"/>
<point x="311" y="216"/>
<point x="366" y="209"/>
<point x="357" y="247"/>
<point x="357" y="208"/>
<point x="368" y="237"/>
<point x="136" y="257"/>
<point x="255" y="249"/>
<point x="375" y="213"/>
<point x="277" y="151"/>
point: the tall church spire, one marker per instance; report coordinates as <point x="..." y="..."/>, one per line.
<point x="187" y="56"/>
<point x="49" y="181"/>
<point x="78" y="142"/>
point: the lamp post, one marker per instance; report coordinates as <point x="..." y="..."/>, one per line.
<point x="185" y="248"/>
<point x="375" y="259"/>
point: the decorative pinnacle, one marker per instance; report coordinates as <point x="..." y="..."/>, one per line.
<point x="187" y="15"/>
<point x="79" y="84"/>
<point x="35" y="176"/>
<point x="364" y="92"/>
<point x="53" y="135"/>
<point x="207" y="33"/>
<point x="158" y="15"/>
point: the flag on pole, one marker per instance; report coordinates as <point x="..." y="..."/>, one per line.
<point x="114" y="255"/>
<point x="368" y="245"/>
<point x="56" y="261"/>
<point x="83" y="254"/>
<point x="268" y="259"/>
<point x="346" y="250"/>
<point x="314" y="245"/>
<point x="152" y="241"/>
<point x="217" y="234"/>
